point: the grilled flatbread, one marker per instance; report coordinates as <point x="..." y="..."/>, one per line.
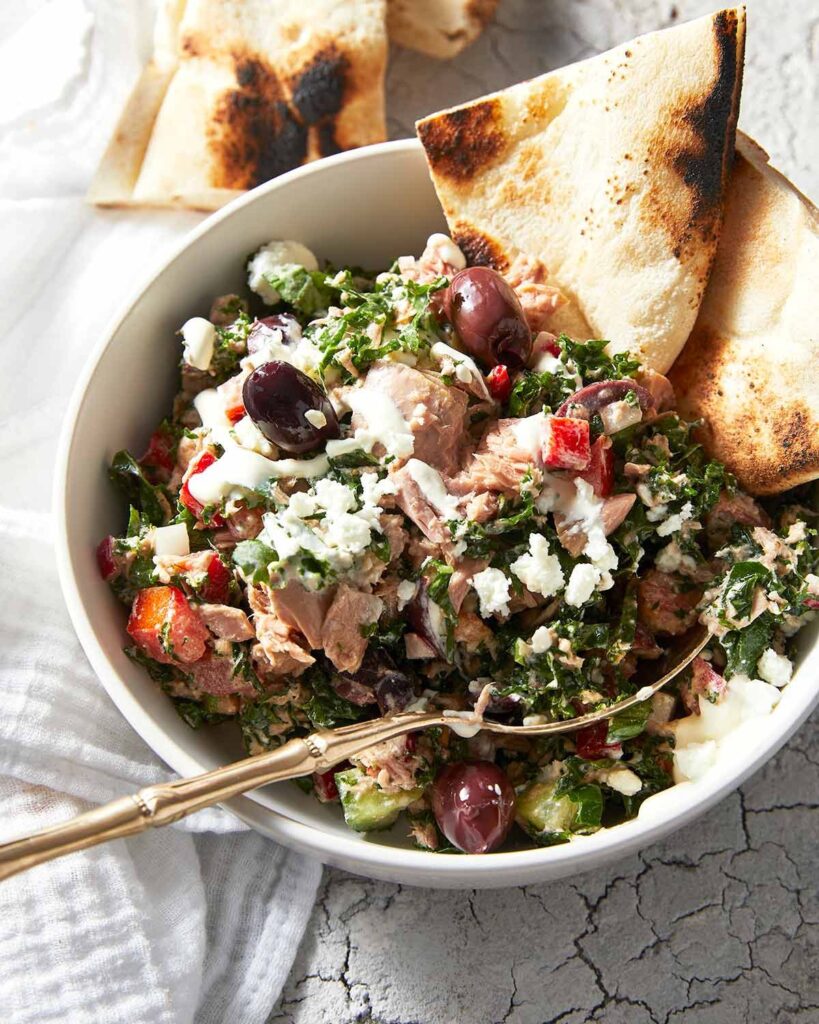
<point x="245" y="90"/>
<point x="751" y="365"/>
<point x="439" y="28"/>
<point x="611" y="172"/>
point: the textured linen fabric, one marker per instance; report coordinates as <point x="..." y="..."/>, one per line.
<point x="195" y="923"/>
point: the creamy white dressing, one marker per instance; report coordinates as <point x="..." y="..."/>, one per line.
<point x="529" y="433"/>
<point x="465" y="724"/>
<point x="448" y="251"/>
<point x="713" y="735"/>
<point x="198" y="337"/>
<point x="384" y="421"/>
<point x="431" y="484"/>
<point x="441" y="351"/>
<point x="240" y="470"/>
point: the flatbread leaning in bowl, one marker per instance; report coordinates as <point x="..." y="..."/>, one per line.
<point x="611" y="172"/>
<point x="239" y="92"/>
<point x="751" y="366"/>
<point x="438" y="28"/>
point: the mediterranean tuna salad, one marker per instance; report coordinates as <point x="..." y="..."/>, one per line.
<point x="382" y="491"/>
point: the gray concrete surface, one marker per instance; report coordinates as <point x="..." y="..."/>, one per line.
<point x="720" y="923"/>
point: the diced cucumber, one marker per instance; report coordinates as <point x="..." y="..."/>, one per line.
<point x="366" y="807"/>
<point x="550" y="819"/>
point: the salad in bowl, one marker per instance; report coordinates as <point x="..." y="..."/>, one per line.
<point x="381" y="491"/>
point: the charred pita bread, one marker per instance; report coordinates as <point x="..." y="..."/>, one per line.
<point x="611" y="172"/>
<point x="245" y="90"/>
<point x="751" y="366"/>
<point x="439" y="28"/>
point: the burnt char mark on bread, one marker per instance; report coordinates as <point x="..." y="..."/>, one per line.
<point x="697" y="146"/>
<point x="260" y="128"/>
<point x="480" y="250"/>
<point x="254" y="135"/>
<point x="705" y="167"/>
<point x="318" y="89"/>
<point x="462" y="143"/>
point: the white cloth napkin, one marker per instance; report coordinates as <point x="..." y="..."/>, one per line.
<point x="196" y="923"/>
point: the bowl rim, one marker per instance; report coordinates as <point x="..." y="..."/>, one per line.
<point x="371" y="858"/>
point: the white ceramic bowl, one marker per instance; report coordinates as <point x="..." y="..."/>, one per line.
<point x="366" y="208"/>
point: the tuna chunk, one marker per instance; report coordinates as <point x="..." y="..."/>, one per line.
<point x="299" y="609"/>
<point x="225" y="622"/>
<point x="614" y="511"/>
<point x="410" y="499"/>
<point x="434" y="412"/>
<point x="728" y="510"/>
<point x="666" y="604"/>
<point x="214" y="675"/>
<point x="277" y="653"/>
<point x="349" y="614"/>
<point x="498" y="465"/>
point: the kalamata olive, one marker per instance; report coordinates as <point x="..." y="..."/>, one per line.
<point x="427" y="620"/>
<point x="474" y="805"/>
<point x="594" y="396"/>
<point x="261" y="330"/>
<point x="394" y="691"/>
<point x="488" y="318"/>
<point x="289" y="408"/>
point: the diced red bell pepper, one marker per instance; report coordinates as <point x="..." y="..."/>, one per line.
<point x="566" y="443"/>
<point x="499" y="383"/>
<point x="324" y="784"/>
<point x="600" y="470"/>
<point x="235" y="412"/>
<point x="590" y="742"/>
<point x="812" y="602"/>
<point x="546" y="342"/>
<point x="217" y="585"/>
<point x="706" y="680"/>
<point x="165" y="626"/>
<point x="160" y="453"/>
<point x="193" y="506"/>
<point x="106" y="560"/>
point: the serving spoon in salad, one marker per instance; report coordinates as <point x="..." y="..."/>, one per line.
<point x="164" y="803"/>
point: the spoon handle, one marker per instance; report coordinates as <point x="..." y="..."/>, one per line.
<point x="167" y="802"/>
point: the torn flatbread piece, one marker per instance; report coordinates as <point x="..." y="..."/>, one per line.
<point x="438" y="28"/>
<point x="611" y="172"/>
<point x="246" y="90"/>
<point x="751" y="366"/>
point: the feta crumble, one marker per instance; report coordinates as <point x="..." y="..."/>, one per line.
<point x="542" y="639"/>
<point x="493" y="589"/>
<point x="775" y="668"/>
<point x="272" y="259"/>
<point x="198" y="337"/>
<point x="583" y="580"/>
<point x="538" y="569"/>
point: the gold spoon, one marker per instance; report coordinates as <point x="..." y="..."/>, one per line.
<point x="169" y="801"/>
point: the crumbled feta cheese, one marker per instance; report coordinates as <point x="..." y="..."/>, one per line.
<point x="247" y="435"/>
<point x="672" y="558"/>
<point x="405" y="592"/>
<point x="619" y="415"/>
<point x="775" y="668"/>
<point x="796" y="532"/>
<point x="624" y="780"/>
<point x="272" y="259"/>
<point x="539" y="570"/>
<point x="542" y="639"/>
<point x="198" y="336"/>
<point x="316" y="418"/>
<point x="493" y="589"/>
<point x="535" y="720"/>
<point x="583" y="580"/>
<point x="463" y="366"/>
<point x="674" y="523"/>
<point x="172" y="540"/>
